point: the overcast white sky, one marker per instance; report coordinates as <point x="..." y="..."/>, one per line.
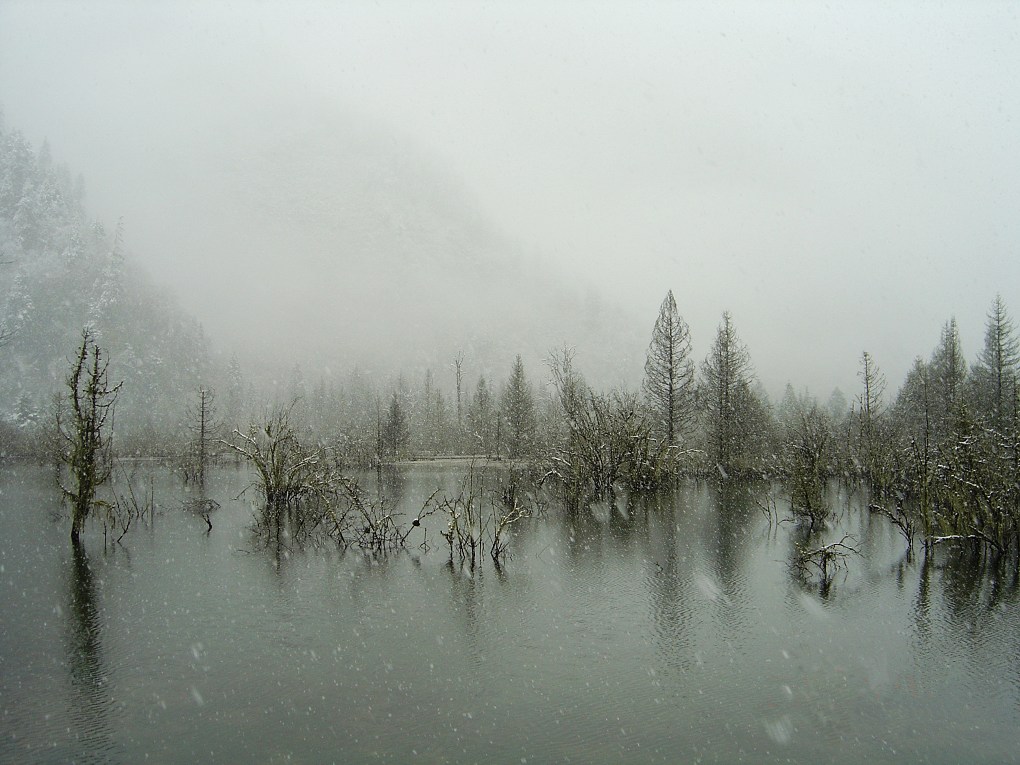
<point x="840" y="176"/>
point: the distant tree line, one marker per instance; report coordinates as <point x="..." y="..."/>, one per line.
<point x="941" y="457"/>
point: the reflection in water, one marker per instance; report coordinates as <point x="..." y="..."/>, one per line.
<point x="922" y="602"/>
<point x="803" y="537"/>
<point x="733" y="504"/>
<point x="977" y="592"/>
<point x="662" y="629"/>
<point x="464" y="603"/>
<point x="818" y="559"/>
<point x="974" y="619"/>
<point x="668" y="579"/>
<point x="624" y="517"/>
<point x="92" y="705"/>
<point x="390" y="485"/>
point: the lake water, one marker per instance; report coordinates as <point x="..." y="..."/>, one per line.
<point x="670" y="630"/>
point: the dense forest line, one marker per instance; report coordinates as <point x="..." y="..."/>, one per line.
<point x="941" y="455"/>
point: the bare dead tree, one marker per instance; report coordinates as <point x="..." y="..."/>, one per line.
<point x="7" y="332"/>
<point x="504" y="516"/>
<point x="203" y="426"/>
<point x="87" y="431"/>
<point x="826" y="560"/>
<point x="458" y="364"/>
<point x="900" y="518"/>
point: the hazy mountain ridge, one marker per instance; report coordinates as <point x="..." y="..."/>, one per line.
<point x="388" y="263"/>
<point x="62" y="273"/>
<point x="388" y="268"/>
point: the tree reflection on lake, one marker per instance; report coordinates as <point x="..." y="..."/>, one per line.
<point x="661" y="628"/>
<point x="92" y="706"/>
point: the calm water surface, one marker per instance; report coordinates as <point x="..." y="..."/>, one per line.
<point x="670" y="630"/>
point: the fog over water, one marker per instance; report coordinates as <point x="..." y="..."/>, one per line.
<point x="354" y="181"/>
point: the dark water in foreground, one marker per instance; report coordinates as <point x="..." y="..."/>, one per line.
<point x="672" y="631"/>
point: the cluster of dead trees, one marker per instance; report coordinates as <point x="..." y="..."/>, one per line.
<point x="941" y="458"/>
<point x="309" y="495"/>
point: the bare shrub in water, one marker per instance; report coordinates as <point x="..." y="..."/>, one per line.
<point x="286" y="470"/>
<point x="608" y="439"/>
<point x="478" y="523"/>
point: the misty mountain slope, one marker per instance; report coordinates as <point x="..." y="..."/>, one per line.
<point x="61" y="273"/>
<point x="353" y="252"/>
<point x="357" y="249"/>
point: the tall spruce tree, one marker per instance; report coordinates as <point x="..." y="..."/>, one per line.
<point x="948" y="365"/>
<point x="669" y="373"/>
<point x="481" y="418"/>
<point x="948" y="373"/>
<point x="995" y="373"/>
<point x="871" y="446"/>
<point x="725" y="394"/>
<point x="518" y="405"/>
<point x="395" y="430"/>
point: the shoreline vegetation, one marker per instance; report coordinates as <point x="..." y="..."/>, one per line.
<point x="940" y="457"/>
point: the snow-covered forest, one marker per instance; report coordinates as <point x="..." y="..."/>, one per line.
<point x="61" y="272"/>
